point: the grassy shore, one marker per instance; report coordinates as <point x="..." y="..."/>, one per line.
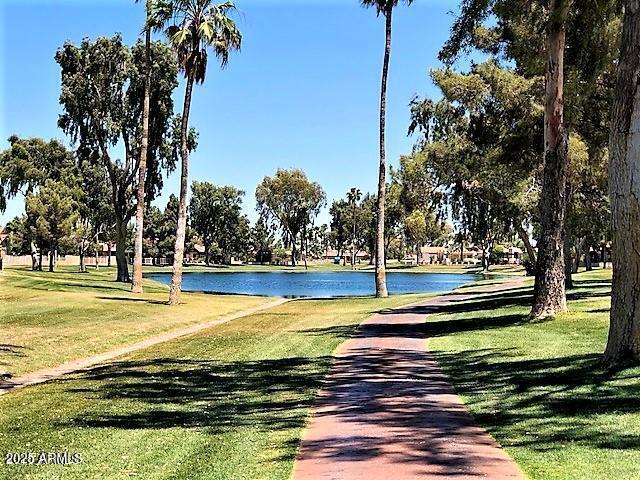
<point x="538" y="387"/>
<point x="49" y="318"/>
<point x="229" y="402"/>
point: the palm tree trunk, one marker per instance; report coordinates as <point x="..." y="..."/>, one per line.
<point x="381" y="274"/>
<point x="353" y="241"/>
<point x="178" y="257"/>
<point x="624" y="187"/>
<point x="136" y="285"/>
<point x="549" y="291"/>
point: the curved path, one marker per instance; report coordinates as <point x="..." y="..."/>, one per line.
<point x="388" y="412"/>
<point x="46" y="374"/>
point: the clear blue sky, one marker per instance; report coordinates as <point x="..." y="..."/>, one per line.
<point x="302" y="93"/>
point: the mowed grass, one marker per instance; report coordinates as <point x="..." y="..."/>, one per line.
<point x="49" y="318"/>
<point x="538" y="387"/>
<point x="227" y="403"/>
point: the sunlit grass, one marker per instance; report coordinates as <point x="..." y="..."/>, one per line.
<point x="49" y="318"/>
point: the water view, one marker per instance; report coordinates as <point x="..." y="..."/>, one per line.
<point x="314" y="284"/>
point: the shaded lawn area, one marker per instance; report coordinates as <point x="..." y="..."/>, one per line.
<point x="227" y="403"/>
<point x="538" y="386"/>
<point x="49" y="318"/>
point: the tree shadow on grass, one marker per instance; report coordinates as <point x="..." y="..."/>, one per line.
<point x="194" y="393"/>
<point x="429" y="329"/>
<point x="135" y="300"/>
<point x="542" y="402"/>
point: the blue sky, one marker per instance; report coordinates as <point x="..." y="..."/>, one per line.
<point x="302" y="93"/>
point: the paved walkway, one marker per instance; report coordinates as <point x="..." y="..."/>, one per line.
<point x="387" y="411"/>
<point x="44" y="375"/>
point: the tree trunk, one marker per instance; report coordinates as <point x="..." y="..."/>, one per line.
<point x="304" y="246"/>
<point x="109" y="252"/>
<point x="40" y="259"/>
<point x="624" y="187"/>
<point x="83" y="265"/>
<point x="51" y="259"/>
<point x="178" y="257"/>
<point x="549" y="291"/>
<point x="122" y="274"/>
<point x="293" y="252"/>
<point x="381" y="274"/>
<point x="568" y="263"/>
<point x="524" y="236"/>
<point x="136" y="285"/>
<point x="587" y="257"/>
<point x="97" y="259"/>
<point x="34" y="257"/>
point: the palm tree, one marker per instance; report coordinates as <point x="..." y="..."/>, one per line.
<point x="136" y="284"/>
<point x="383" y="7"/>
<point x="354" y="197"/>
<point x="196" y="26"/>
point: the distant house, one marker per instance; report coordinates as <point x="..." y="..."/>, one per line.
<point x="331" y="255"/>
<point x="195" y="254"/>
<point x="470" y="256"/>
<point x="511" y="256"/>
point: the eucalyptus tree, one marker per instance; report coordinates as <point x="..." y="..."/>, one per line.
<point x="624" y="184"/>
<point x="103" y="84"/>
<point x="385" y="8"/>
<point x="291" y="201"/>
<point x="339" y="212"/>
<point x="193" y="28"/>
<point x="216" y="217"/>
<point x="136" y="283"/>
<point x="353" y="197"/>
<point x="534" y="36"/>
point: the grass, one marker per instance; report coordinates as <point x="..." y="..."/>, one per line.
<point x="49" y="318"/>
<point x="538" y="387"/>
<point x="229" y="402"/>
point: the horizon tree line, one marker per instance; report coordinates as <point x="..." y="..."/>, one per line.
<point x="558" y="70"/>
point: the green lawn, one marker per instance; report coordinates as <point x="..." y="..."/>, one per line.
<point x="229" y="402"/>
<point x="49" y="318"/>
<point x="538" y="386"/>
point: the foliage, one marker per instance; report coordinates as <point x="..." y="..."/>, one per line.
<point x="28" y="163"/>
<point x="216" y="217"/>
<point x="51" y="215"/>
<point x="102" y="97"/>
<point x="291" y="201"/>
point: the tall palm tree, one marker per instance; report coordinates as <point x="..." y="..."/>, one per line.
<point x="383" y="7"/>
<point x="136" y="284"/>
<point x="353" y="197"/>
<point x="194" y="27"/>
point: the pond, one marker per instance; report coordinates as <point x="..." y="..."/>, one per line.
<point x="314" y="284"/>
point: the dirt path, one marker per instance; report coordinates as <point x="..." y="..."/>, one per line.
<point x="46" y="374"/>
<point x="388" y="412"/>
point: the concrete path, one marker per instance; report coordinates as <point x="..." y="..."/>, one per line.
<point x="44" y="375"/>
<point x="387" y="411"/>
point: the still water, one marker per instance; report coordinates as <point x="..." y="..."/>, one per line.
<point x="314" y="284"/>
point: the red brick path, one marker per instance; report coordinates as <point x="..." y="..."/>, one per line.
<point x="387" y="411"/>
